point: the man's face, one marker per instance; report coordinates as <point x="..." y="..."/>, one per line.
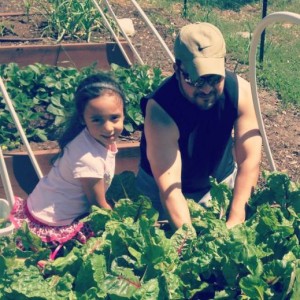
<point x="204" y="93"/>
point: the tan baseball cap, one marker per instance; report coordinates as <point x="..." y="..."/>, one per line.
<point x="201" y="49"/>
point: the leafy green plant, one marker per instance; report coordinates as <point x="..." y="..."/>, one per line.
<point x="6" y="28"/>
<point x="43" y="95"/>
<point x="137" y="82"/>
<point x="72" y="19"/>
<point x="130" y="257"/>
<point x="28" y="5"/>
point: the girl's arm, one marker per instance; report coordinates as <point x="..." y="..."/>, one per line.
<point x="95" y="191"/>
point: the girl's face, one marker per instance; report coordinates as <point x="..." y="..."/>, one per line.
<point x="104" y="118"/>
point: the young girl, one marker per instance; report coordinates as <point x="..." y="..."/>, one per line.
<point x="84" y="168"/>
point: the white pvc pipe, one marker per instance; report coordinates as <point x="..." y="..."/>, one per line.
<point x="7" y="230"/>
<point x="274" y="17"/>
<point x="20" y="129"/>
<point x="124" y="33"/>
<point x="6" y="181"/>
<point x="154" y="30"/>
<point x="6" y="206"/>
<point x="4" y="214"/>
<point x="112" y="32"/>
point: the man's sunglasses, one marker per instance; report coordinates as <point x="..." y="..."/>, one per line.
<point x="200" y="82"/>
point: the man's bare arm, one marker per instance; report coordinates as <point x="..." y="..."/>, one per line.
<point x="248" y="145"/>
<point x="164" y="156"/>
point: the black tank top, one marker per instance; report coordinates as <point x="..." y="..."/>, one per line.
<point x="205" y="140"/>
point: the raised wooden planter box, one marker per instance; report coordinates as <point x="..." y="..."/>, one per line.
<point x="23" y="176"/>
<point x="67" y="55"/>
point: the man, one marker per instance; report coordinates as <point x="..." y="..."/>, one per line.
<point x="188" y="128"/>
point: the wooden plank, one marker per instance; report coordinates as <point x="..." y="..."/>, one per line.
<point x="67" y="55"/>
<point x="23" y="176"/>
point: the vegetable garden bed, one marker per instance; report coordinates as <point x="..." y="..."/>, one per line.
<point x="131" y="257"/>
<point x="76" y="55"/>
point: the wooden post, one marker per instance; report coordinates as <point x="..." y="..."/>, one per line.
<point x="263" y="35"/>
<point x="184" y="8"/>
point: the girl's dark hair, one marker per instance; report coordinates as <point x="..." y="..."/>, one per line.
<point x="89" y="88"/>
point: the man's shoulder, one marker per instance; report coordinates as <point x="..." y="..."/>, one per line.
<point x="158" y="114"/>
<point x="233" y="74"/>
<point x="243" y="84"/>
<point x="245" y="100"/>
<point x="163" y="90"/>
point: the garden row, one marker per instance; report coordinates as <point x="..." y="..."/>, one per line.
<point x="43" y="95"/>
<point x="131" y="258"/>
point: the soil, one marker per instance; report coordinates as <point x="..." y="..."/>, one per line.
<point x="281" y="124"/>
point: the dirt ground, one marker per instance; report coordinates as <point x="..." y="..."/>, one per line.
<point x="282" y="125"/>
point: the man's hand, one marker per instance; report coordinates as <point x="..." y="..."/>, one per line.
<point x="236" y="216"/>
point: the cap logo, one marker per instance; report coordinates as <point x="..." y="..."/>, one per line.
<point x="202" y="48"/>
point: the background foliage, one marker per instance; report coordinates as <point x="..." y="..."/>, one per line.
<point x="237" y="20"/>
<point x="43" y="96"/>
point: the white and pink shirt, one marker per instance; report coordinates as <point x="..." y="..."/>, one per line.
<point x="58" y="198"/>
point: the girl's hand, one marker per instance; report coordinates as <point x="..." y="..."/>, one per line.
<point x="94" y="190"/>
<point x="106" y="205"/>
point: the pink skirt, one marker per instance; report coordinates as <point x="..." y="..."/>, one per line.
<point x="61" y="234"/>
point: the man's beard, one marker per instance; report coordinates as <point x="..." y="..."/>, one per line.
<point x="204" y="101"/>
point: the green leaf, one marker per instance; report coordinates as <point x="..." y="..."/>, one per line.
<point x="189" y="272"/>
<point x="64" y="287"/>
<point x="221" y="195"/>
<point x="40" y="133"/>
<point x="55" y="101"/>
<point x="98" y="218"/>
<point x="91" y="273"/>
<point x="29" y="240"/>
<point x="2" y="266"/>
<point x="122" y="284"/>
<point x="126" y="208"/>
<point x="123" y="187"/>
<point x="296" y="285"/>
<point x="253" y="287"/>
<point x="183" y="238"/>
<point x="148" y="290"/>
<point x="56" y="111"/>
<point x="156" y="248"/>
<point x="30" y="284"/>
<point x="68" y="264"/>
<point x="172" y="286"/>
